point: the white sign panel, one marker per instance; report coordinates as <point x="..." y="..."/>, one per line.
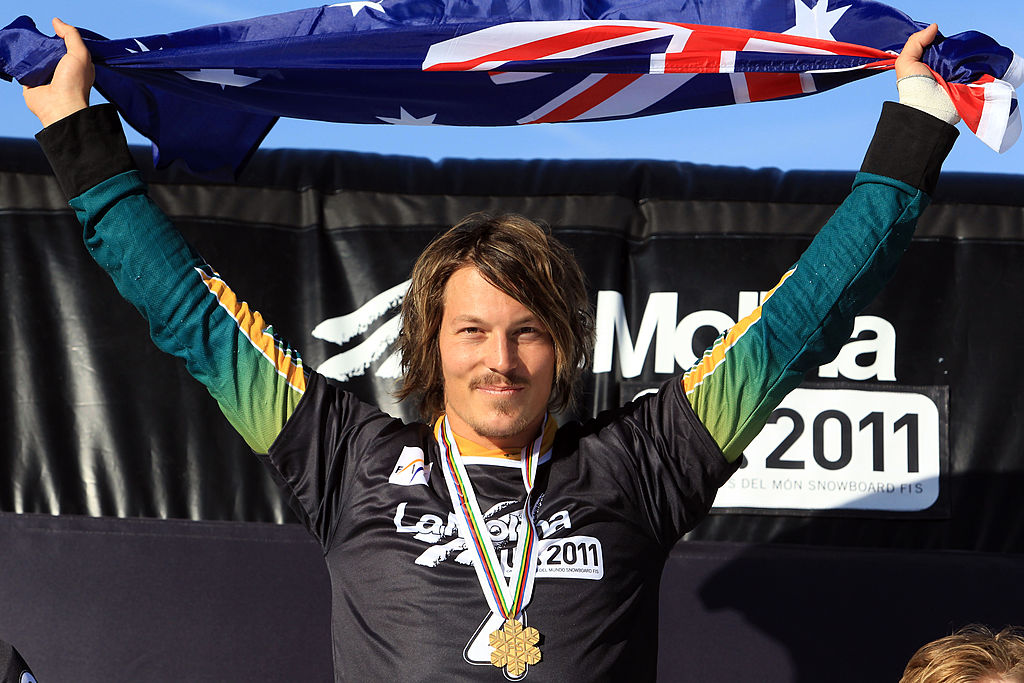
<point x="843" y="449"/>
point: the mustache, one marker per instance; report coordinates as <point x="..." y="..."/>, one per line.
<point x="496" y="379"/>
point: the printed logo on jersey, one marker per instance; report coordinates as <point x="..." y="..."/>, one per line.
<point x="411" y="468"/>
<point x="565" y="557"/>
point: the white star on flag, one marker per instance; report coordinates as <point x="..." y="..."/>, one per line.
<point x="221" y="77"/>
<point x="817" y="21"/>
<point x="142" y="48"/>
<point x="407" y="119"/>
<point x="357" y="5"/>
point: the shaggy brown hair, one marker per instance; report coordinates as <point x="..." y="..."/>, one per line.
<point x="971" y="655"/>
<point x="524" y="261"/>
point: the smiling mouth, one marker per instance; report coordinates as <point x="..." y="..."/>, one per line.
<point x="499" y="384"/>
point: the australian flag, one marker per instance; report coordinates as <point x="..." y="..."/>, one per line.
<point x="492" y="63"/>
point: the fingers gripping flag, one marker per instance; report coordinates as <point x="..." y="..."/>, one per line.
<point x="449" y="63"/>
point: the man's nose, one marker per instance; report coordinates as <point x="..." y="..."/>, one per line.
<point x="502" y="355"/>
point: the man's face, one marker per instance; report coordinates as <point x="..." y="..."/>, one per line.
<point x="498" y="363"/>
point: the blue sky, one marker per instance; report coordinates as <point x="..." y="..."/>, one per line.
<point x="825" y="131"/>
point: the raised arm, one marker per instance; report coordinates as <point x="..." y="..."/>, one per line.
<point x="809" y="314"/>
<point x="256" y="379"/>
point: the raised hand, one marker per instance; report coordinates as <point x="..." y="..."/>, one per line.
<point x="68" y="90"/>
<point x="916" y="83"/>
<point x="909" y="62"/>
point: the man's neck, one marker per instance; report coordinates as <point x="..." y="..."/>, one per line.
<point x="471" y="447"/>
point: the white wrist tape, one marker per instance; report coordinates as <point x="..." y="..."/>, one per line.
<point x="922" y="92"/>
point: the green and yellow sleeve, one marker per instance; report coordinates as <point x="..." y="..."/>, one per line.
<point x="255" y="377"/>
<point x="809" y="314"/>
<point x="193" y="314"/>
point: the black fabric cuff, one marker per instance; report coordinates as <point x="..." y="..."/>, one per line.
<point x="86" y="148"/>
<point x="909" y="145"/>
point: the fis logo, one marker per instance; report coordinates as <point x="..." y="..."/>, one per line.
<point x="411" y="469"/>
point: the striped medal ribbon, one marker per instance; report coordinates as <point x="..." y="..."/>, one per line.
<point x="513" y="646"/>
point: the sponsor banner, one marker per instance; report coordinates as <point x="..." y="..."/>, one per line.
<point x="322" y="244"/>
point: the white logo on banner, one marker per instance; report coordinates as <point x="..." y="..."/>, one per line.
<point x="842" y="449"/>
<point x="358" y="359"/>
<point x="672" y="338"/>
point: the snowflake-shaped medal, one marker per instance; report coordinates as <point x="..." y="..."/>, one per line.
<point x="514" y="647"/>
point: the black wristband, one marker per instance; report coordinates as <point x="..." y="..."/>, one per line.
<point x="86" y="148"/>
<point x="909" y="145"/>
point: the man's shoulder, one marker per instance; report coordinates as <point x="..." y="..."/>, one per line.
<point x="664" y="402"/>
<point x="328" y="406"/>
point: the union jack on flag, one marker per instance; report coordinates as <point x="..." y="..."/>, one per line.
<point x="448" y="63"/>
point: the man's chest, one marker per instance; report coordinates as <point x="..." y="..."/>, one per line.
<point x="586" y="525"/>
<point x="401" y="564"/>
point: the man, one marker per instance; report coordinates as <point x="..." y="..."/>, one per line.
<point x="554" y="537"/>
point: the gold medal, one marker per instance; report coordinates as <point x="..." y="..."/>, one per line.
<point x="514" y="647"/>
